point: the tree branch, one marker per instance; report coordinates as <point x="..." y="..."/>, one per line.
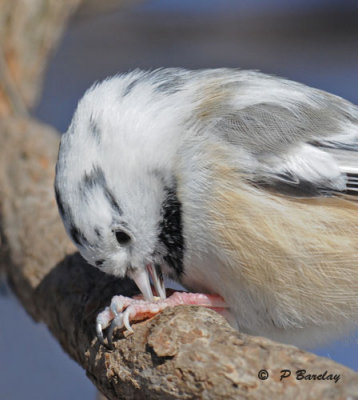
<point x="183" y="353"/>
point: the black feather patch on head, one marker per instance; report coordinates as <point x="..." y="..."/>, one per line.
<point x="112" y="201"/>
<point x="130" y="87"/>
<point x="60" y="205"/>
<point x="171" y="231"/>
<point x="97" y="178"/>
<point x="78" y="236"/>
<point x="167" y="81"/>
<point x="94" y="129"/>
<point x="171" y="85"/>
<point x="93" y="178"/>
<point x="65" y="212"/>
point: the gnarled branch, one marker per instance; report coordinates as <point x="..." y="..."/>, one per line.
<point x="184" y="353"/>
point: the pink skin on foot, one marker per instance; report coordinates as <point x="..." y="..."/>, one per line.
<point x="125" y="309"/>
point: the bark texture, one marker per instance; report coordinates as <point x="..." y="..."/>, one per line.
<point x="184" y="353"/>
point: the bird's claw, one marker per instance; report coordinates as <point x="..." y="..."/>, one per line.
<point x="99" y="333"/>
<point x="119" y="314"/>
<point x="123" y="310"/>
<point x="114" y="316"/>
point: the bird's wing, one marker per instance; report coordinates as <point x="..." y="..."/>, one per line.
<point x="296" y="139"/>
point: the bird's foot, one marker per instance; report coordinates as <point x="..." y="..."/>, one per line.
<point x="124" y="310"/>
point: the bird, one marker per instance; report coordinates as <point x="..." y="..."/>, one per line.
<point x="239" y="185"/>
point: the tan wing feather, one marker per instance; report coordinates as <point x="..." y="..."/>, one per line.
<point x="303" y="253"/>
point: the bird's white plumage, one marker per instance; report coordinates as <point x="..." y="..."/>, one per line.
<point x="149" y="151"/>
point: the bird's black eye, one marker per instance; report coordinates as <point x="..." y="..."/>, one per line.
<point x="122" y="237"/>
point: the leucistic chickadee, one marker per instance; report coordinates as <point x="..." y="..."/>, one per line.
<point x="235" y="183"/>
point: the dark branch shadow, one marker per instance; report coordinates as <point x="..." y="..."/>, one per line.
<point x="70" y="296"/>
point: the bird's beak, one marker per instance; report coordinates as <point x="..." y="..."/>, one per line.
<point x="155" y="273"/>
<point x="141" y="278"/>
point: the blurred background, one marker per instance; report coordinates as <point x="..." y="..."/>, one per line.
<point x="312" y="41"/>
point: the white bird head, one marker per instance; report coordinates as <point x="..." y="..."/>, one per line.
<point x="116" y="197"/>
